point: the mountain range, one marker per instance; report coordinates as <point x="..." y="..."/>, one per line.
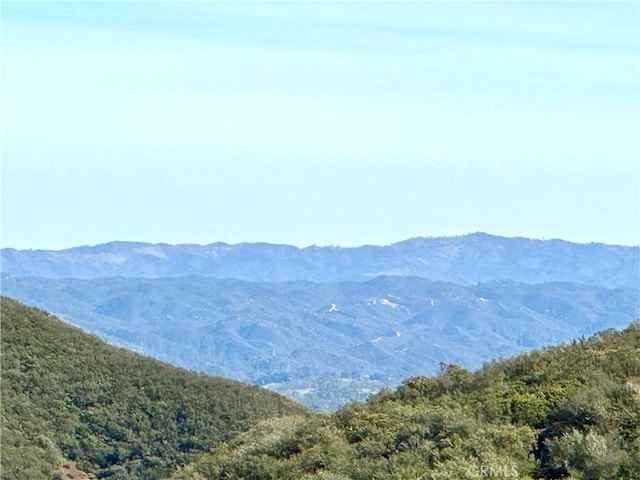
<point x="466" y="260"/>
<point x="325" y="325"/>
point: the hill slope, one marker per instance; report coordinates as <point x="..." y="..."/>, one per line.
<point x="568" y="411"/>
<point x="323" y="344"/>
<point x="466" y="260"/>
<point x="118" y="414"/>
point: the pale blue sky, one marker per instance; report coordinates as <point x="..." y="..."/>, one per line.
<point x="318" y="123"/>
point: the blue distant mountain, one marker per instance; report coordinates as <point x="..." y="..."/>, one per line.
<point x="465" y="260"/>
<point x="324" y="325"/>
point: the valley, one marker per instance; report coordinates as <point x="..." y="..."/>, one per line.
<point x="324" y="343"/>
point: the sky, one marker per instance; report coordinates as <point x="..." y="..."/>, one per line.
<point x="318" y="123"/>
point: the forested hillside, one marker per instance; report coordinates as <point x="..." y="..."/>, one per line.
<point x="566" y="411"/>
<point x="66" y="394"/>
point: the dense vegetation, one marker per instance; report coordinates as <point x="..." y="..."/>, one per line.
<point x="118" y="414"/>
<point x="567" y="411"/>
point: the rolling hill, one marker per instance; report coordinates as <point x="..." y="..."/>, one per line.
<point x="569" y="411"/>
<point x="324" y="344"/>
<point x="69" y="397"/>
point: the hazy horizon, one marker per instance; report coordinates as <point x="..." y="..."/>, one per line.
<point x="303" y="246"/>
<point x="318" y="122"/>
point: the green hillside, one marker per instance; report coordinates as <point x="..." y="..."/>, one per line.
<point x="567" y="411"/>
<point x="66" y="394"/>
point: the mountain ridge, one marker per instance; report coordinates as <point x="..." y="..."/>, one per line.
<point x="323" y="344"/>
<point x="466" y="259"/>
<point x="418" y="238"/>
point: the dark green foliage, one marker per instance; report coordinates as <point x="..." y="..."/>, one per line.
<point x="120" y="415"/>
<point x="571" y="411"/>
